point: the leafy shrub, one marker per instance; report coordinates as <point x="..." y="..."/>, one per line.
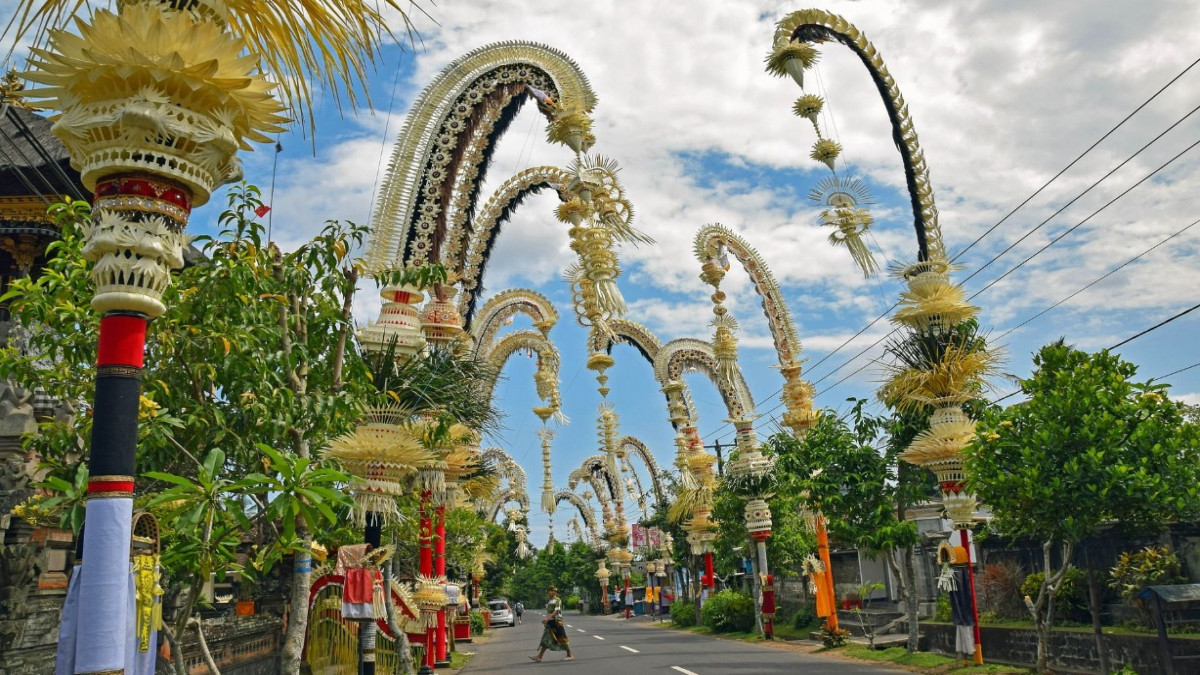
<point x="1151" y="566"/>
<point x="476" y="620"/>
<point x="941" y="611"/>
<point x="833" y="637"/>
<point x="572" y="602"/>
<point x="728" y="612"/>
<point x="683" y="614"/>
<point x="805" y="616"/>
<point x="1071" y="601"/>
<point x="1000" y="590"/>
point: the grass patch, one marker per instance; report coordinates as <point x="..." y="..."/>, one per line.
<point x="900" y="656"/>
<point x="935" y="662"/>
<point x="460" y="659"/>
<point x="789" y="632"/>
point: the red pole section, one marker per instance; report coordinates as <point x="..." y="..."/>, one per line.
<point x="439" y="568"/>
<point x="710" y="575"/>
<point x="425" y="534"/>
<point x="966" y="544"/>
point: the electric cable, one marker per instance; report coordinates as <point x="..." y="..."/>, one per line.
<point x="1096" y="281"/>
<point x="1126" y="341"/>
<point x="1076" y="160"/>
<point x="1076" y="226"/>
<point x="1089" y="189"/>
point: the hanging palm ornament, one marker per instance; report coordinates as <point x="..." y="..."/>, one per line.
<point x="599" y="215"/>
<point x="712" y="271"/>
<point x="841" y="198"/>
<point x="792" y="59"/>
<point x="382" y="456"/>
<point x="548" y="502"/>
<point x="523" y="550"/>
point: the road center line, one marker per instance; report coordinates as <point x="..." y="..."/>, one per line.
<point x="597" y="637"/>
<point x="685" y="671"/>
<point x="630" y="649"/>
<point x="570" y="626"/>
<point x="581" y="630"/>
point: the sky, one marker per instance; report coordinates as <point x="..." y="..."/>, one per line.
<point x="1003" y="94"/>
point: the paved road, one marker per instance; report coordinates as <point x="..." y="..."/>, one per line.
<point x="606" y="645"/>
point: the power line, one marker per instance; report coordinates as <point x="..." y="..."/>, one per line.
<point x="1096" y="281"/>
<point x="1010" y="247"/>
<point x="1126" y="341"/>
<point x="1076" y="160"/>
<point x="1076" y="226"/>
<point x="1155" y="327"/>
<point x="1089" y="189"/>
<point x="1175" y="372"/>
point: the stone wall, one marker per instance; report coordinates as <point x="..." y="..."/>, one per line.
<point x="240" y="645"/>
<point x="1070" y="651"/>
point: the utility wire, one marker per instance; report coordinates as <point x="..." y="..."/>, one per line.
<point x="1006" y="217"/>
<point x="1076" y="160"/>
<point x="1089" y="189"/>
<point x="1020" y="325"/>
<point x="1076" y="226"/>
<point x="1126" y="341"/>
<point x="1093" y="283"/>
<point x="1175" y="372"/>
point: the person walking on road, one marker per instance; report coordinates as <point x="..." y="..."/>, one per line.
<point x="518" y="611"/>
<point x="554" y="635"/>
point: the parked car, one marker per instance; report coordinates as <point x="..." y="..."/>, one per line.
<point x="501" y="613"/>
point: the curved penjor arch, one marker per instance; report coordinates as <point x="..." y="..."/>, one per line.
<point x="442" y="153"/>
<point x="686" y="355"/>
<point x="814" y="25"/>
<point x="711" y="241"/>
<point x="634" y="446"/>
<point x="469" y="248"/>
<point x="646" y="343"/>
<point x="546" y="377"/>
<point x="585" y="511"/>
<point x="504" y="306"/>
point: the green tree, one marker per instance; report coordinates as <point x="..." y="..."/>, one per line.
<point x="253" y="350"/>
<point x="1090" y="447"/>
<point x="849" y="470"/>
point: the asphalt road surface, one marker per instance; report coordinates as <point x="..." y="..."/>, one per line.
<point x="608" y="645"/>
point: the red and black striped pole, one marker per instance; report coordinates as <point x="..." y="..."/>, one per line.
<point x="135" y="240"/>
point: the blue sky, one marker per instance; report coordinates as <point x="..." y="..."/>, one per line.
<point x="1003" y="94"/>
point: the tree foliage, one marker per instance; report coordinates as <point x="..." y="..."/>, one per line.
<point x="1090" y="448"/>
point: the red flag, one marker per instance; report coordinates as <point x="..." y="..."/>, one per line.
<point x="261" y="210"/>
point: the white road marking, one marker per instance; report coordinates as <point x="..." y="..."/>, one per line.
<point x="597" y="637"/>
<point x="630" y="649"/>
<point x="685" y="671"/>
<point x="581" y="630"/>
<point x="570" y="626"/>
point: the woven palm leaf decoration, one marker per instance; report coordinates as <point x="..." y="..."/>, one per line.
<point x="304" y="46"/>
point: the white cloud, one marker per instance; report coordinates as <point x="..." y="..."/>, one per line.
<point x="1003" y="96"/>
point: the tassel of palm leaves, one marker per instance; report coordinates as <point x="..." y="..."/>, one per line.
<point x="326" y="44"/>
<point x="792" y="58"/>
<point x="938" y="369"/>
<point x="939" y="442"/>
<point x="439" y="381"/>
<point x="934" y="303"/>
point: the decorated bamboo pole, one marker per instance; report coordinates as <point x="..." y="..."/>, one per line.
<point x="373" y="537"/>
<point x="425" y="566"/>
<point x="439" y="570"/>
<point x="965" y="538"/>
<point x="113" y="87"/>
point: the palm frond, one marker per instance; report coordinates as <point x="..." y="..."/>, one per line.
<point x="301" y="44"/>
